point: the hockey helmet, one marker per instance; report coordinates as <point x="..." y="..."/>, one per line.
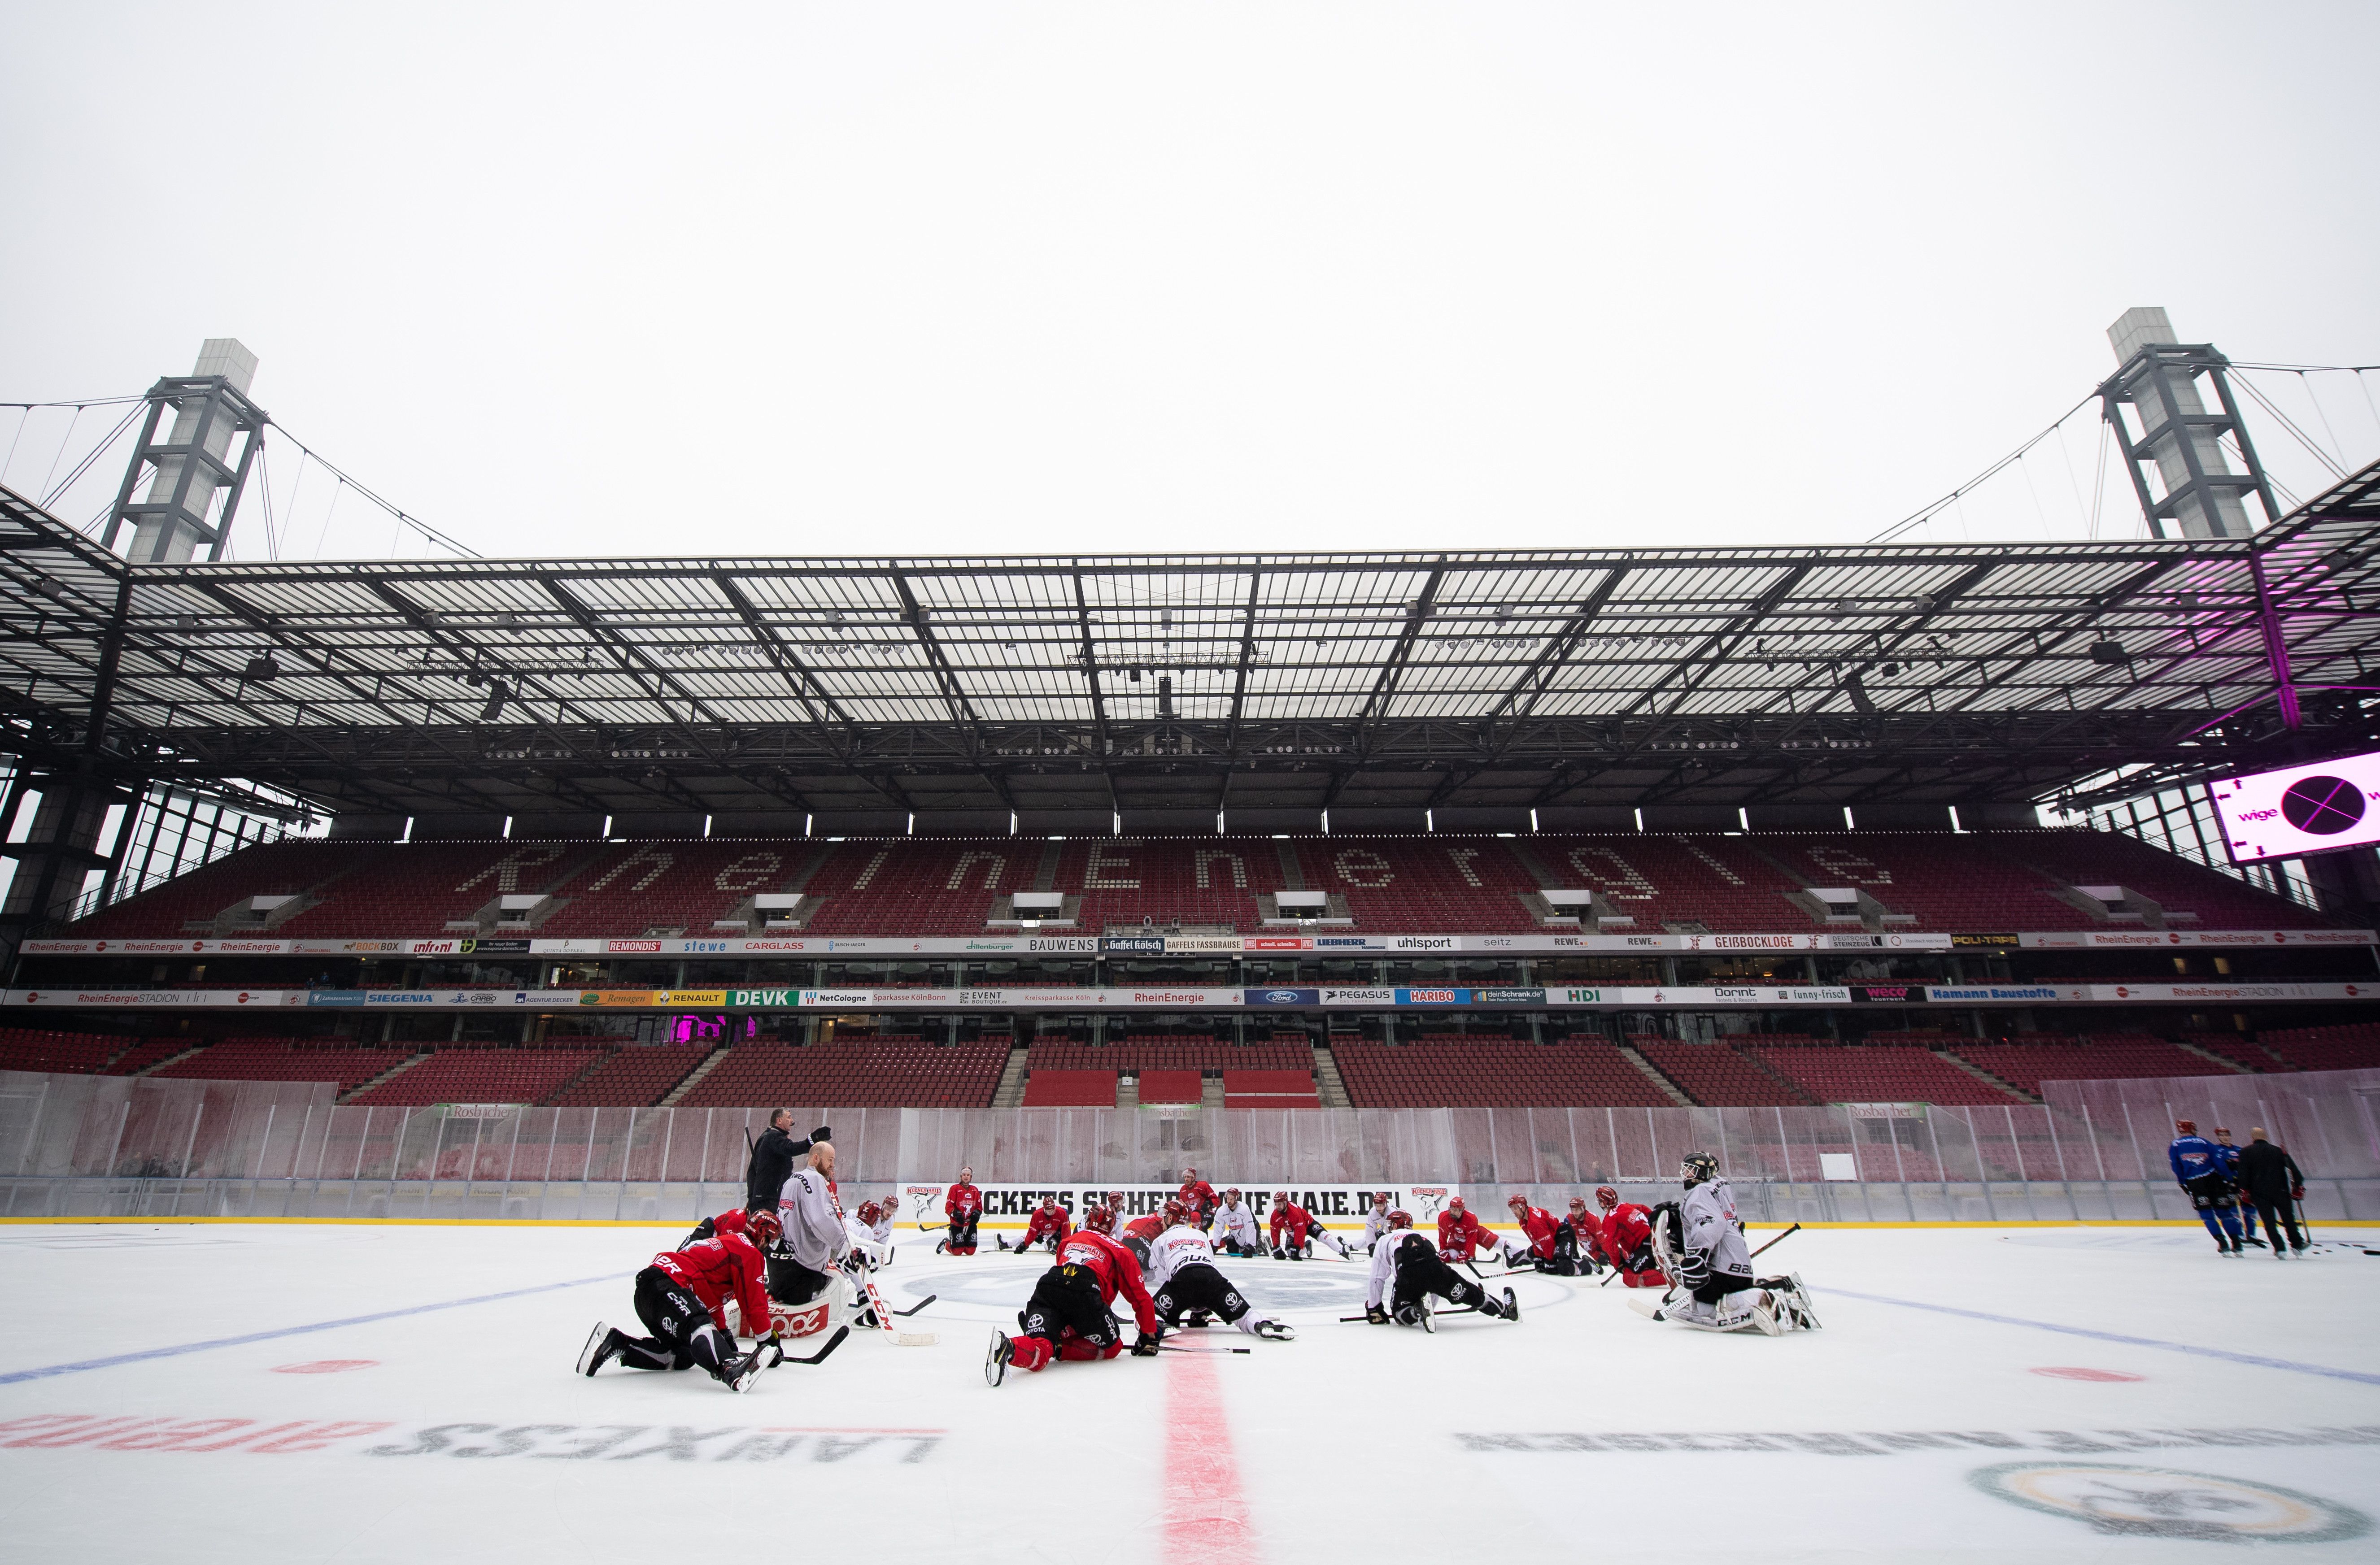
<point x="1697" y="1167"/>
<point x="1189" y="1176"/>
<point x="2222" y="1133"/>
<point x="1455" y="1205"/>
<point x="1517" y="1199"/>
<point x="763" y="1228"/>
<point x="1605" y="1197"/>
<point x="1176" y="1211"/>
<point x="1281" y="1198"/>
<point x="1578" y="1202"/>
<point x="1231" y="1192"/>
<point x="870" y="1213"/>
<point x="2185" y="1127"/>
<point x="1099" y="1221"/>
<point x="1115" y="1200"/>
<point x="1380" y="1197"/>
<point x="1400" y="1219"/>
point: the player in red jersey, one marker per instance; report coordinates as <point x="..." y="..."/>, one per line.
<point x="1048" y="1221"/>
<point x="1198" y="1196"/>
<point x="1547" y="1242"/>
<point x="1295" y="1231"/>
<point x="1586" y="1228"/>
<point x="1142" y="1232"/>
<point x="1068" y="1317"/>
<point x="1624" y="1239"/>
<point x="962" y="1203"/>
<point x="1461" y="1234"/>
<point x="1099" y="1218"/>
<point x="682" y="1300"/>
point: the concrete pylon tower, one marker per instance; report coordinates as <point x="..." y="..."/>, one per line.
<point x="2187" y="479"/>
<point x="198" y="476"/>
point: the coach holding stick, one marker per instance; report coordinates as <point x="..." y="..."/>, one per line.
<point x="773" y="1161"/>
<point x="2273" y="1180"/>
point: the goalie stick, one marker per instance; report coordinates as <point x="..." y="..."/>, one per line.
<point x="876" y="1300"/>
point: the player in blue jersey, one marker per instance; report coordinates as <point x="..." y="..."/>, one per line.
<point x="2199" y="1168"/>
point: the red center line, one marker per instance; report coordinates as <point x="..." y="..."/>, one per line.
<point x="1205" y="1516"/>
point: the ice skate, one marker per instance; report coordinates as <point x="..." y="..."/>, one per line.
<point x="738" y="1373"/>
<point x="601" y="1344"/>
<point x="1511" y="1307"/>
<point x="995" y="1360"/>
<point x="1274" y="1331"/>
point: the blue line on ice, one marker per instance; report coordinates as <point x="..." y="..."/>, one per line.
<point x="42" y="1373"/>
<point x="2260" y="1362"/>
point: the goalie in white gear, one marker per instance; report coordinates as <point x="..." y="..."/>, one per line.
<point x="1235" y="1226"/>
<point x="1184" y="1281"/>
<point x="1707" y="1253"/>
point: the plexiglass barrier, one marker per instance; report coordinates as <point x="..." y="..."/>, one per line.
<point x="116" y="1147"/>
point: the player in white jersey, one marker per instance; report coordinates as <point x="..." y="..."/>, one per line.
<point x="1716" y="1290"/>
<point x="1185" y="1282"/>
<point x="1406" y="1270"/>
<point x="871" y="1232"/>
<point x="1375" y="1221"/>
<point x="1235" y="1226"/>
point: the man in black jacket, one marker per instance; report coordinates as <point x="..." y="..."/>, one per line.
<point x="2272" y="1181"/>
<point x="773" y="1161"/>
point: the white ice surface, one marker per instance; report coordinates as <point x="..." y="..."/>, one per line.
<point x="1352" y="1443"/>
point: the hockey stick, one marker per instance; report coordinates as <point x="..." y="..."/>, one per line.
<point x="1778" y="1240"/>
<point x="831" y="1343"/>
<point x="1162" y="1348"/>
<point x="921" y="1303"/>
<point x="1350" y="1319"/>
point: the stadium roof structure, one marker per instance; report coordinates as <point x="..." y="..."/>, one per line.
<point x="875" y="693"/>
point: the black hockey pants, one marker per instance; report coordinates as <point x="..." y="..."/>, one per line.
<point x="1197" y="1286"/>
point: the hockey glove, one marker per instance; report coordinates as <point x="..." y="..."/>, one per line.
<point x="1693" y="1269"/>
<point x="1145" y="1346"/>
<point x="1668" y="1211"/>
<point x="824" y="1133"/>
<point x="1374" y="1315"/>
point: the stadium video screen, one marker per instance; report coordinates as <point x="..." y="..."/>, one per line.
<point x="2318" y="807"/>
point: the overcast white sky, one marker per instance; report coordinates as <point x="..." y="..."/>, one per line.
<point x="987" y="277"/>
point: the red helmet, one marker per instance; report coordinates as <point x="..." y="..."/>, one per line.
<point x="2186" y="1127"/>
<point x="1188" y="1175"/>
<point x="1577" y="1202"/>
<point x="1099" y="1219"/>
<point x="1115" y="1199"/>
<point x="1517" y="1199"/>
<point x="1231" y="1192"/>
<point x="870" y="1213"/>
<point x="1048" y="1202"/>
<point x="1281" y="1198"/>
<point x="1380" y="1197"/>
<point x="1176" y="1211"/>
<point x="763" y="1228"/>
<point x="1400" y="1219"/>
<point x="1455" y="1205"/>
<point x="1606" y="1197"/>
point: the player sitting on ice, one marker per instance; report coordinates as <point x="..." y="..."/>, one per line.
<point x="1235" y="1227"/>
<point x="2199" y="1169"/>
<point x="1461" y="1234"/>
<point x="1546" y="1241"/>
<point x="682" y="1300"/>
<point x="1068" y="1316"/>
<point x="1375" y="1221"/>
<point x="1623" y="1239"/>
<point x="1406" y="1270"/>
<point x="815" y="1240"/>
<point x="1183" y="1274"/>
<point x="1295" y="1231"/>
<point x="1048" y="1222"/>
<point x="962" y="1203"/>
<point x="1716" y="1290"/>
<point x="1198" y="1196"/>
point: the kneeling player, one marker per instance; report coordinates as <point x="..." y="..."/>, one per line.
<point x="1460" y="1235"/>
<point x="1235" y="1227"/>
<point x="682" y="1300"/>
<point x="963" y="1205"/>
<point x="1068" y="1316"/>
<point x="1295" y="1232"/>
<point x="1716" y="1289"/>
<point x="871" y="1232"/>
<point x="1406" y="1270"/>
<point x="1046" y="1224"/>
<point x="1623" y="1239"/>
<point x="1182" y="1267"/>
<point x="1375" y="1221"/>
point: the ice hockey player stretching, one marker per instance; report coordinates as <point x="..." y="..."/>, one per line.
<point x="1048" y="1222"/>
<point x="1198" y="1196"/>
<point x="962" y="1203"/>
<point x="1068" y="1316"/>
<point x="870" y="1229"/>
<point x="1235" y="1227"/>
<point x="682" y="1300"/>
<point x="1546" y="1241"/>
<point x="1716" y="1289"/>
<point x="1461" y="1234"/>
<point x="1375" y="1221"/>
<point x="816" y="1238"/>
<point x="1182" y="1273"/>
<point x="1623" y="1239"/>
<point x="2198" y="1168"/>
<point x="1295" y="1231"/>
<point x="1406" y="1272"/>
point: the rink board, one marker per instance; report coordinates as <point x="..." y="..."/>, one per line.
<point x="293" y="1393"/>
